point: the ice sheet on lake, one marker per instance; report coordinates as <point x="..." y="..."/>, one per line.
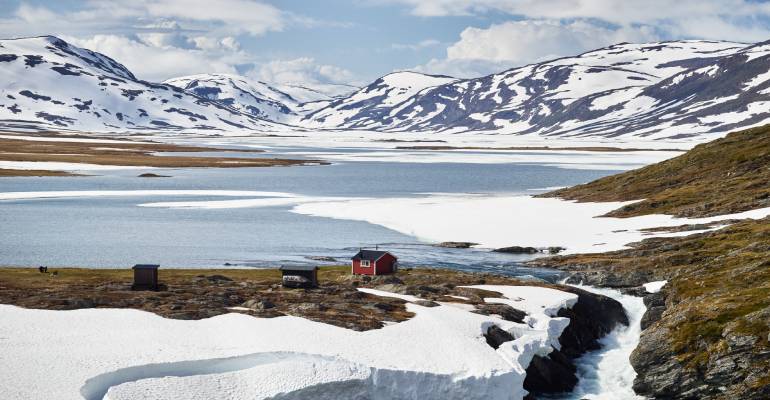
<point x="515" y="220"/>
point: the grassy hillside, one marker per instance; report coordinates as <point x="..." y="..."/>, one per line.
<point x="709" y="335"/>
<point x="725" y="176"/>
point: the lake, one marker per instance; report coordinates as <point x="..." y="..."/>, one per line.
<point x="114" y="231"/>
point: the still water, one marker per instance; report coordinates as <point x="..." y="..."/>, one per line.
<point x="109" y="232"/>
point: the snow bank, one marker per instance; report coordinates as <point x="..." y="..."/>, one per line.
<point x="654" y="287"/>
<point x="136" y="193"/>
<point x="570" y="159"/>
<point x="121" y="354"/>
<point x="500" y="221"/>
<point x="62" y="166"/>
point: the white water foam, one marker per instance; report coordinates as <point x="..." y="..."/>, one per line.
<point x="607" y="374"/>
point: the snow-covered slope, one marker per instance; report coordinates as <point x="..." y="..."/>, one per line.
<point x="370" y="106"/>
<point x="673" y="90"/>
<point x="656" y="90"/>
<point x="281" y="103"/>
<point x="308" y="92"/>
<point x="252" y="97"/>
<point x="46" y="83"/>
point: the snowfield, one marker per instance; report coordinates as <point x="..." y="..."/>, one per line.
<point x="508" y="220"/>
<point x="126" y="354"/>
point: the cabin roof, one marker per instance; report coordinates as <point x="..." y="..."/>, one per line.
<point x="298" y="268"/>
<point x="146" y="266"/>
<point x="371" y="255"/>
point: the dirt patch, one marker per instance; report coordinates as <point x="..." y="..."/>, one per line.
<point x="197" y="293"/>
<point x="126" y="154"/>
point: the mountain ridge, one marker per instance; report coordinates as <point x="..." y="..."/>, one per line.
<point x="691" y="89"/>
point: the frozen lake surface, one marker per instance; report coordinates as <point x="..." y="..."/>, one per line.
<point x="114" y="231"/>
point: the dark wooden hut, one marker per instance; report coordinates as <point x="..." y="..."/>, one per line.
<point x="299" y="276"/>
<point x="145" y="277"/>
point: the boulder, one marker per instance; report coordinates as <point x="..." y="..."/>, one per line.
<point x="456" y="245"/>
<point x="591" y="318"/>
<point x="554" y="373"/>
<point x="258" y="304"/>
<point x="505" y="311"/>
<point x="517" y="250"/>
<point x="496" y="336"/>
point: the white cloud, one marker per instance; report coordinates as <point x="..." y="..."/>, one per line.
<point x="167" y="61"/>
<point x="180" y="37"/>
<point x="300" y="70"/>
<point x="521" y="42"/>
<point x="416" y="46"/>
<point x="482" y="51"/>
<point x="740" y="20"/>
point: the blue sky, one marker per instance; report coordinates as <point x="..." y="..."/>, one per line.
<point x="356" y="41"/>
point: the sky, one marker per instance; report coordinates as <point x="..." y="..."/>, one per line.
<point x="357" y="41"/>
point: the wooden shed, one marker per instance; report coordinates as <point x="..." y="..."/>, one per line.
<point x="373" y="262"/>
<point x="299" y="276"/>
<point x="145" y="277"/>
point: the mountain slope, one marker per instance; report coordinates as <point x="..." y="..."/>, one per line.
<point x="50" y="84"/>
<point x="726" y="176"/>
<point x="370" y="107"/>
<point x="251" y="97"/>
<point x="645" y="90"/>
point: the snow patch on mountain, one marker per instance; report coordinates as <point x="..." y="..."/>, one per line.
<point x="46" y="83"/>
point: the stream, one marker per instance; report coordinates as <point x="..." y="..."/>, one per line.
<point x="606" y="374"/>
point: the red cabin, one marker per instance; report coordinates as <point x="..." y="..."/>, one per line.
<point x="374" y="262"/>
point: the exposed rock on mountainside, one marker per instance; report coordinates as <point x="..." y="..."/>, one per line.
<point x="653" y="90"/>
<point x="47" y="82"/>
<point x="707" y="333"/>
<point x="669" y="90"/>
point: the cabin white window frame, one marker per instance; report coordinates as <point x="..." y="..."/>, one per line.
<point x="366" y="264"/>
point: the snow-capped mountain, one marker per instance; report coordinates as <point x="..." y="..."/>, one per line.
<point x="671" y="89"/>
<point x="251" y="97"/>
<point x="657" y="89"/>
<point x="312" y="92"/>
<point x="46" y="83"/>
<point x="282" y="103"/>
<point x="370" y="106"/>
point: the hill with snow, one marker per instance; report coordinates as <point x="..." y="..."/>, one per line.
<point x="676" y="89"/>
<point x="47" y="83"/>
<point x="653" y="90"/>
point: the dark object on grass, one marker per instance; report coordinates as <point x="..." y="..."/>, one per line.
<point x="517" y="250"/>
<point x="300" y="276"/>
<point x="456" y="245"/>
<point x="145" y="277"/>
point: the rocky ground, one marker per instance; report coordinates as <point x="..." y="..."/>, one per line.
<point x="196" y="294"/>
<point x="706" y="335"/>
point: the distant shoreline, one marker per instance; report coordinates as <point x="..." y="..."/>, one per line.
<point x="18" y="156"/>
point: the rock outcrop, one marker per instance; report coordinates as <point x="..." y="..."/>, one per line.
<point x="591" y="318"/>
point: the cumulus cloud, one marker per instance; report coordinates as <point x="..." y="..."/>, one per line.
<point x="530" y="41"/>
<point x="300" y="70"/>
<point x="481" y="51"/>
<point x="167" y="61"/>
<point x="181" y="37"/>
<point x="740" y="20"/>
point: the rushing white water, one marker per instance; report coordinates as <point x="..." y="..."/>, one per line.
<point x="607" y="374"/>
